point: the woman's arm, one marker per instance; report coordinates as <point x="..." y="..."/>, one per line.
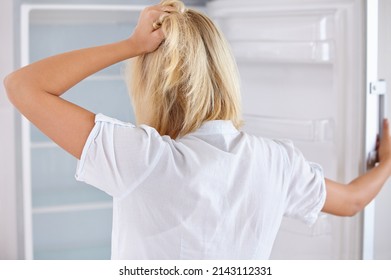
<point x="349" y="199"/>
<point x="35" y="89"/>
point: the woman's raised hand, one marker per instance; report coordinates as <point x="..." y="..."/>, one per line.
<point x="148" y="35"/>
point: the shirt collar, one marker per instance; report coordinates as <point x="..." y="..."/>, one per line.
<point x="215" y="127"/>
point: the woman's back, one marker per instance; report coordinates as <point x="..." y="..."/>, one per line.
<point x="216" y="193"/>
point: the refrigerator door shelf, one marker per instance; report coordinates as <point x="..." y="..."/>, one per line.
<point x="300" y="130"/>
<point x="284" y="26"/>
<point x="287" y="52"/>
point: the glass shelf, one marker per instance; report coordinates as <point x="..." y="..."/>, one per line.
<point x="54" y="187"/>
<point x="81" y="198"/>
<point x="52" y="169"/>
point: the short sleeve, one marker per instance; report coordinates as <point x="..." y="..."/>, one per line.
<point x="306" y="190"/>
<point x="118" y="156"/>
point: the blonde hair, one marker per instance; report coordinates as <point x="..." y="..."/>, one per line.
<point x="191" y="78"/>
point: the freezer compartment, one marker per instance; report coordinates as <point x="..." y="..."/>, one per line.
<point x="54" y="183"/>
<point x="72" y="235"/>
<point x="109" y="97"/>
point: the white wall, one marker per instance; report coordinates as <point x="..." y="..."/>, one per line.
<point x="8" y="210"/>
<point x="383" y="201"/>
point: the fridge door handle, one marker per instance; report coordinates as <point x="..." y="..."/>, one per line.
<point x="379" y="88"/>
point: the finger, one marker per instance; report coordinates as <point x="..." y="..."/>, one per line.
<point x="162" y="8"/>
<point x="166" y="8"/>
<point x="158" y="23"/>
<point x="386" y="129"/>
<point x="159" y="34"/>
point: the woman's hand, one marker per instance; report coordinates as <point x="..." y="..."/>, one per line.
<point x="384" y="147"/>
<point x="349" y="199"/>
<point x="147" y="35"/>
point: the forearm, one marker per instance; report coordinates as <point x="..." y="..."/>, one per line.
<point x="367" y="186"/>
<point x="57" y="74"/>
<point x="349" y="199"/>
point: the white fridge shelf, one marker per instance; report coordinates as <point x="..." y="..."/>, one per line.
<point x="319" y="130"/>
<point x="277" y="51"/>
<point x="73" y="208"/>
<point x="76" y="198"/>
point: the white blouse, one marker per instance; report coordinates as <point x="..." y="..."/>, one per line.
<point x="216" y="193"/>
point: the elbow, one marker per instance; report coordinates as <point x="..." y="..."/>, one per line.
<point x="10" y="84"/>
<point x="355" y="206"/>
<point x="344" y="200"/>
<point x="353" y="210"/>
<point x="15" y="86"/>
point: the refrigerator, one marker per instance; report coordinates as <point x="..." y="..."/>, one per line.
<point x="308" y="72"/>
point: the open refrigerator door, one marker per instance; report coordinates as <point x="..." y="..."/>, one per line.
<point x="302" y="67"/>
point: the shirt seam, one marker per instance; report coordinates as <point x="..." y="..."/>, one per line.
<point x="91" y="137"/>
<point x="213" y="133"/>
<point x="312" y="217"/>
<point x="103" y="118"/>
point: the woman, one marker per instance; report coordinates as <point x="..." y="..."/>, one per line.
<point x="186" y="183"/>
